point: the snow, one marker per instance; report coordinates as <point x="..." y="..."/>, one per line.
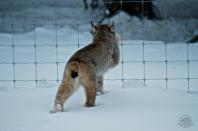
<point x="132" y="107"/>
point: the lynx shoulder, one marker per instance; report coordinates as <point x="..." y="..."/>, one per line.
<point x="88" y="65"/>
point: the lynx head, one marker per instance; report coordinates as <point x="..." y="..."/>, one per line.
<point x="103" y="30"/>
<point x="104" y="27"/>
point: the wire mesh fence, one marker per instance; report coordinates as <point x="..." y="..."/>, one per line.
<point x="138" y="59"/>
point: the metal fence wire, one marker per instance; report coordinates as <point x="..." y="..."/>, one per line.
<point x="165" y="62"/>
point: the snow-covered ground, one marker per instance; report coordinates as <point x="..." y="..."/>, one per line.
<point x="124" y="106"/>
<point x="133" y="107"/>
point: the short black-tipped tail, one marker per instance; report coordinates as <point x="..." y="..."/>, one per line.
<point x="74" y="74"/>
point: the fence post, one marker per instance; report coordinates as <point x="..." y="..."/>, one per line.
<point x="166" y="62"/>
<point x="13" y="53"/>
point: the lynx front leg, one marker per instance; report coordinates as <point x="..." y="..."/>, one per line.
<point x="100" y="85"/>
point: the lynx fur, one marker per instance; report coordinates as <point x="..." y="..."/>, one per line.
<point x="88" y="65"/>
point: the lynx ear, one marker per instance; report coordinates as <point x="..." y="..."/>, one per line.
<point x="112" y="28"/>
<point x="94" y="28"/>
<point x="93" y="24"/>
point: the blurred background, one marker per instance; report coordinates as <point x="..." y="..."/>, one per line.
<point x="161" y="20"/>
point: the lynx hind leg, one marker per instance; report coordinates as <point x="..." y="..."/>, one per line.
<point x="60" y="98"/>
<point x="100" y="88"/>
<point x="88" y="80"/>
<point x="67" y="87"/>
<point x="58" y="107"/>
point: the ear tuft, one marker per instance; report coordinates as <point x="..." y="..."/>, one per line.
<point x="93" y="25"/>
<point x="94" y="28"/>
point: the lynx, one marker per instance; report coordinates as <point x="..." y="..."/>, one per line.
<point x="88" y="65"/>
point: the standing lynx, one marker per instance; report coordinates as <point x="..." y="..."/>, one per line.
<point x="88" y="65"/>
